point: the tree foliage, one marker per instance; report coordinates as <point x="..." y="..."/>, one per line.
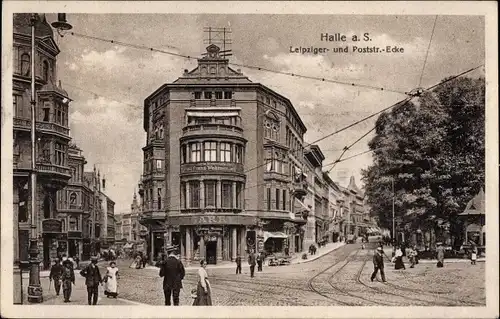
<point x="433" y="149"/>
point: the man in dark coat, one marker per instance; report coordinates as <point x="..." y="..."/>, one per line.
<point x="238" y="264"/>
<point x="92" y="280"/>
<point x="259" y="261"/>
<point x="172" y="271"/>
<point x="55" y="274"/>
<point x="251" y="262"/>
<point x="378" y="264"/>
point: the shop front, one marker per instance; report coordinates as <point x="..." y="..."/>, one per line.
<point x="54" y="241"/>
<point x="74" y="243"/>
<point x="213" y="238"/>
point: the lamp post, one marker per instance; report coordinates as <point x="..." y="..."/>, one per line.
<point x="35" y="292"/>
<point x="393" y="214"/>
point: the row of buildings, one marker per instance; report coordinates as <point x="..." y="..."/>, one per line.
<point x="226" y="169"/>
<point x="73" y="214"/>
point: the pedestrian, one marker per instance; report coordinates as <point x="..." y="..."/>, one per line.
<point x="68" y="278"/>
<point x="259" y="262"/>
<point x="238" y="264"/>
<point x="203" y="290"/>
<point x="412" y="256"/>
<point x="77" y="261"/>
<point x="55" y="274"/>
<point x="172" y="271"/>
<point x="92" y="280"/>
<point x="440" y="255"/>
<point x="398" y="259"/>
<point x="144" y="261"/>
<point x="251" y="262"/>
<point x="473" y="255"/>
<point x="378" y="264"/>
<point x="111" y="287"/>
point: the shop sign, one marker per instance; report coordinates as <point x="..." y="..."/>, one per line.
<point x="210" y="167"/>
<point x="51" y="226"/>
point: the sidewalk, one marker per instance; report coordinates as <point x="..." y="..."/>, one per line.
<point x="78" y="295"/>
<point x="451" y="260"/>
<point x="297" y="259"/>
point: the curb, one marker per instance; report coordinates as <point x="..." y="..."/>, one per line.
<point x="302" y="261"/>
<point x="451" y="261"/>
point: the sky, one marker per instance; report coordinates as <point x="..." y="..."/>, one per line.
<point x="109" y="82"/>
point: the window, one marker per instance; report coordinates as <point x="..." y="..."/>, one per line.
<point x="195" y="152"/>
<point x="159" y="198"/>
<point x="267" y="100"/>
<point x="25" y="64"/>
<point x="183" y="195"/>
<point x="23" y="204"/>
<point x="227" y="195"/>
<point x="238" y="194"/>
<point x="159" y="165"/>
<point x="45" y="71"/>
<point x="60" y="154"/>
<point x="268" y="199"/>
<point x="183" y="154"/>
<point x="46" y="114"/>
<point x="278" y="199"/>
<point x="210" y="152"/>
<point x="73" y="223"/>
<point x="208" y="95"/>
<point x="225" y="152"/>
<point x="72" y="199"/>
<point x="210" y="194"/>
<point x="46" y="207"/>
<point x="239" y="154"/>
<point x="228" y="95"/>
<point x="284" y="199"/>
<point x="17" y="101"/>
<point x="161" y="131"/>
<point x="195" y="194"/>
<point x="197" y="95"/>
<point x="218" y="95"/>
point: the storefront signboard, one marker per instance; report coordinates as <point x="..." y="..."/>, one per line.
<point x="51" y="226"/>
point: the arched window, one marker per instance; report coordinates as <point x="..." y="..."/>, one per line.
<point x="25" y="64"/>
<point x="45" y="71"/>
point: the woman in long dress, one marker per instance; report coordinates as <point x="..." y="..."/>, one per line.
<point x="398" y="263"/>
<point x="111" y="289"/>
<point x="203" y="291"/>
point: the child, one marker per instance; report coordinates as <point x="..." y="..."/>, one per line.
<point x="473" y="255"/>
<point x="68" y="277"/>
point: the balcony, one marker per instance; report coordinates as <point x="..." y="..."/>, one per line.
<point x="212" y="129"/>
<point x="212" y="167"/>
<point x="213" y="103"/>
<point x="55" y="175"/>
<point x="300" y="189"/>
<point x="44" y="127"/>
<point x="219" y="210"/>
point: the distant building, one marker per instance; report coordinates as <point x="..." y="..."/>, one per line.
<point x="474" y="216"/>
<point x="357" y="220"/>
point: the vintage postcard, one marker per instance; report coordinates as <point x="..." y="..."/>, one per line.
<point x="254" y="159"/>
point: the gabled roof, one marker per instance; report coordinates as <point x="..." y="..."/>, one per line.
<point x="476" y="206"/>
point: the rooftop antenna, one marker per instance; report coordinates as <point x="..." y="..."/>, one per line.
<point x="219" y="36"/>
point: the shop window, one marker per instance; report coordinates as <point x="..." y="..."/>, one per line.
<point x="278" y="199"/>
<point x="73" y="223"/>
<point x="227" y="195"/>
<point x="210" y="194"/>
<point x="268" y="199"/>
<point x="239" y="189"/>
<point x="225" y="152"/>
<point x="45" y="71"/>
<point x="210" y="152"/>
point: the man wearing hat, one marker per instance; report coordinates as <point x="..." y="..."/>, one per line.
<point x="55" y="274"/>
<point x="92" y="280"/>
<point x="378" y="264"/>
<point x="172" y="271"/>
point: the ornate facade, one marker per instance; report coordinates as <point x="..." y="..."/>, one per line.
<point x="219" y="165"/>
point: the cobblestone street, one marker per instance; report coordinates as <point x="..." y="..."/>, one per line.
<point x="341" y="277"/>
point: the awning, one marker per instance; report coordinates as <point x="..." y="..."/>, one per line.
<point x="212" y="114"/>
<point x="128" y="246"/>
<point x="268" y="234"/>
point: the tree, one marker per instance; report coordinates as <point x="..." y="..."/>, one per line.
<point x="433" y="150"/>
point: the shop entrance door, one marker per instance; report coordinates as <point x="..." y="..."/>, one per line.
<point x="211" y="252"/>
<point x="72" y="248"/>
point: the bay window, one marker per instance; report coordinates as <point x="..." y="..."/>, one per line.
<point x="60" y="154"/>
<point x="210" y="194"/>
<point x="227" y="194"/>
<point x="239" y="190"/>
<point x="210" y="152"/>
<point x="238" y="154"/>
<point x="225" y="152"/>
<point x="195" y="152"/>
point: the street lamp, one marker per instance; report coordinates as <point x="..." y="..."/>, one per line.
<point x="393" y="214"/>
<point x="35" y="292"/>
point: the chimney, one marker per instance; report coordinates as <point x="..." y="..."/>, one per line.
<point x="104" y="183"/>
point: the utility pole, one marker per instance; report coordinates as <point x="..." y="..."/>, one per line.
<point x="393" y="215"/>
<point x="35" y="293"/>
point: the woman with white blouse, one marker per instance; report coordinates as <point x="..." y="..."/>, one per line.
<point x="203" y="291"/>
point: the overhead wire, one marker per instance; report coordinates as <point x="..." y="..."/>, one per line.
<point x="427" y="52"/>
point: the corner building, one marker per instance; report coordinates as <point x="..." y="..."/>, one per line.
<point x="218" y="165"/>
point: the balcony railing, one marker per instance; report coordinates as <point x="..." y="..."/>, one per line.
<point x="42" y="126"/>
<point x="213" y="103"/>
<point x="53" y="169"/>
<point x="212" y="128"/>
